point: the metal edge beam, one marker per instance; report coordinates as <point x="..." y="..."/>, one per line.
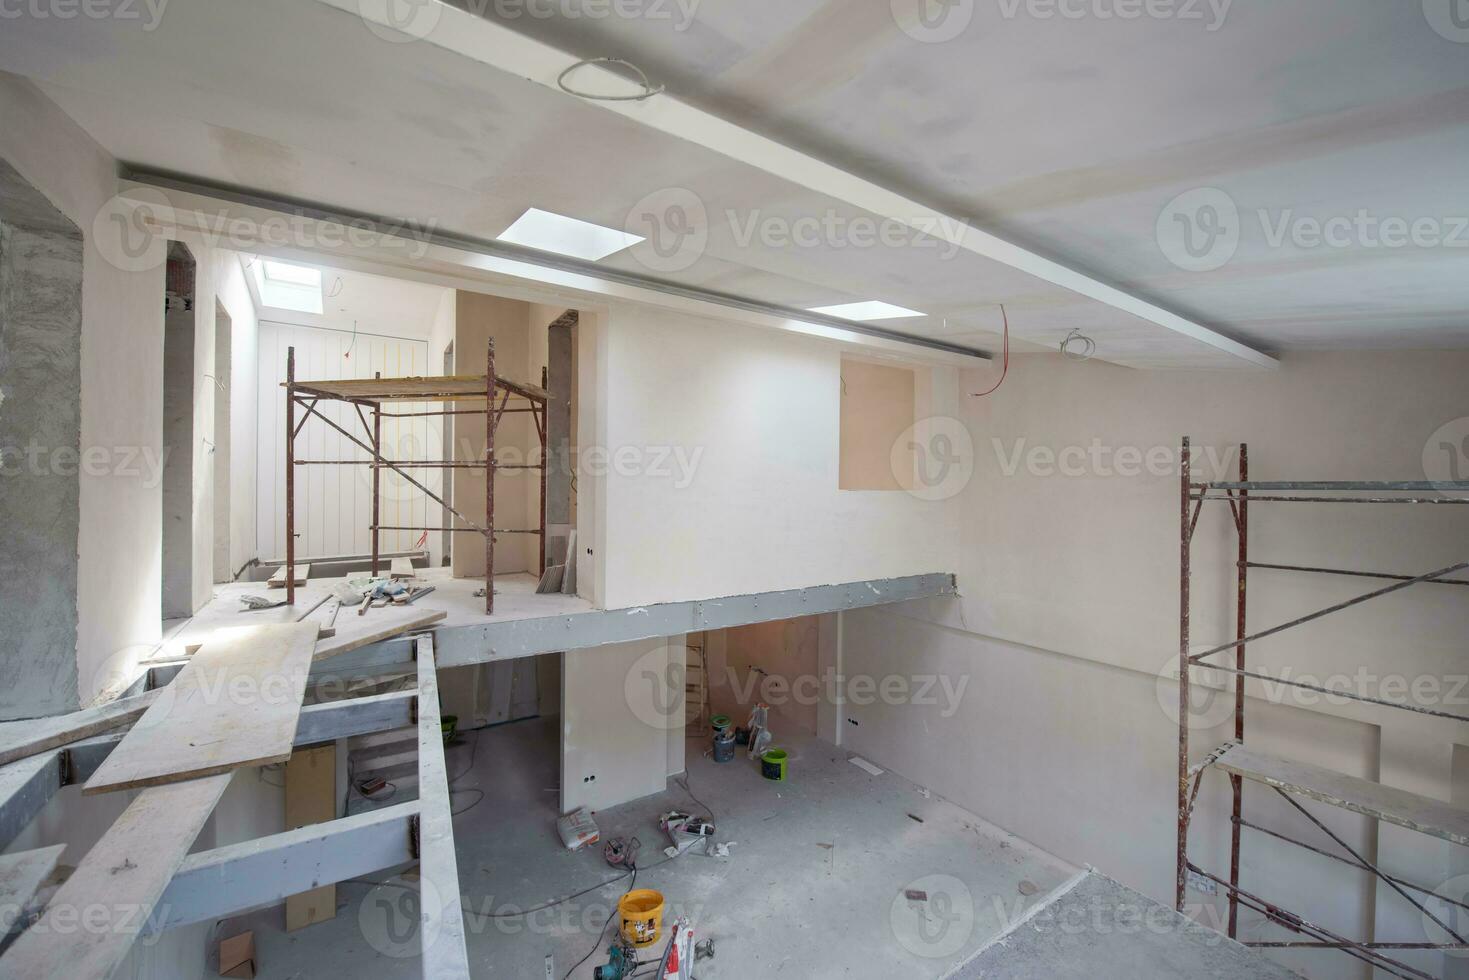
<point x="26" y="786"/>
<point x="498" y="46"/>
<point x="465" y="645"/>
<point x="258" y="873"/>
<point x="441" y="924"/>
<point x="422" y="234"/>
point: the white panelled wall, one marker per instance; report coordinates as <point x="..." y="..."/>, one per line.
<point x="334" y="503"/>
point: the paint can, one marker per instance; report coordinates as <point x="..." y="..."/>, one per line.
<point x="773" y="765"/>
<point x="724" y="746"/>
<point x="720" y="723"/>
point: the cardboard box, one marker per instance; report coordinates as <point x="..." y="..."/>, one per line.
<point x="237" y="956"/>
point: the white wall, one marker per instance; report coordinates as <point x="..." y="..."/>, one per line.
<point x="1069" y="616"/>
<point x="234" y="294"/>
<point x="721" y="447"/>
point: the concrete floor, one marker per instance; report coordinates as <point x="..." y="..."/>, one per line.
<point x="814" y="886"/>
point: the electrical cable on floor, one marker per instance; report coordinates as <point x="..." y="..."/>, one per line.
<point x="597" y="944"/>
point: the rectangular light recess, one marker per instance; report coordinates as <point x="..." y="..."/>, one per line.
<point x="868" y="311"/>
<point x="566" y="236"/>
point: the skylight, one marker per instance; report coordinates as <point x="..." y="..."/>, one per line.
<point x="864" y="312"/>
<point x="295" y="275"/>
<point x="287" y="286"/>
<point x="566" y="236"/>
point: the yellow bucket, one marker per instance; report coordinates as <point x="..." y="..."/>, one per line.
<point x="642" y="917"/>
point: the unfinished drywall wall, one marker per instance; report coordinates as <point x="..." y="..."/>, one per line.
<point x="40" y="448"/>
<point x="1067" y="630"/>
<point x="478" y="318"/>
<point x="179" y="325"/>
<point x="622" y="709"/>
<point x="878" y="411"/>
<point x="220" y="451"/>
<point x="720" y="459"/>
<point x="775" y="663"/>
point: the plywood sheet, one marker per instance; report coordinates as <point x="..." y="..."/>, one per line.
<point x="311" y="794"/>
<point x="1421" y="813"/>
<point x="278" y="580"/>
<point x="378" y="623"/>
<point x="19" y="739"/>
<point x="116" y="886"/>
<point x="234" y="704"/>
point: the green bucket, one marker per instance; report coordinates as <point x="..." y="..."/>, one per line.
<point x="720" y="723"/>
<point x="773" y="765"/>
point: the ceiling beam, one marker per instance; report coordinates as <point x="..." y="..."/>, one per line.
<point x="497" y="46"/>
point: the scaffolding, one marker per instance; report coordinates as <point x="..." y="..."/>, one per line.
<point x="1293" y="779"/>
<point x="372" y="394"/>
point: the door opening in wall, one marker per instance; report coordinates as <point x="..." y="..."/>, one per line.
<point x="220" y="445"/>
<point x="178" y="434"/>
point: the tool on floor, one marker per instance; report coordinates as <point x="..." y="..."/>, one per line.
<point x="686" y="831"/>
<point x="622" y="962"/>
<point x="622" y="852"/>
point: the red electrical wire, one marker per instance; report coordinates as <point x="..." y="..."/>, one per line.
<point x="1006" y="369"/>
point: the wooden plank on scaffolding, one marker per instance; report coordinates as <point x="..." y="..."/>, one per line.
<point x="21" y="876"/>
<point x="402" y="568"/>
<point x="452" y="388"/>
<point x="1395" y="806"/>
<point x="378" y="623"/>
<point x="311" y="798"/>
<point x="234" y="704"/>
<point x="116" y="887"/>
<point x="19" y="739"/>
<point x="442" y="918"/>
<point x="278" y="579"/>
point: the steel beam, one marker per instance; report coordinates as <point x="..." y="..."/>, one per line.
<point x="509" y="639"/>
<point x="26" y="786"/>
<point x="260" y="873"/>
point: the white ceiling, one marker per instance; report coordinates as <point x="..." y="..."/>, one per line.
<point x="1070" y="136"/>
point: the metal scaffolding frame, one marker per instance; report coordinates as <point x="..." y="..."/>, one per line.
<point x="372" y="394"/>
<point x="1240" y="495"/>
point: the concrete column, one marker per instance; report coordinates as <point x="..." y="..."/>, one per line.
<point x="40" y="450"/>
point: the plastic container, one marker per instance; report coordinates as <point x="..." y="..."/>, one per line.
<point x="724" y="746"/>
<point x="641" y="913"/>
<point x="773" y="765"/>
<point x="720" y="723"/>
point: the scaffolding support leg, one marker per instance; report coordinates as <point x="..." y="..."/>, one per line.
<point x="1237" y="783"/>
<point x="290" y="476"/>
<point x="1185" y="534"/>
<point x="490" y="477"/>
<point x="377" y="476"/>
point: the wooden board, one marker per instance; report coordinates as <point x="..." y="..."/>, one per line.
<point x="324" y="633"/>
<point x="1395" y="806"/>
<point x="311" y="798"/>
<point x="234" y="704"/>
<point x="19" y="739"/>
<point x="278" y="579"/>
<point x="448" y="388"/>
<point x="21" y="875"/>
<point x="402" y="568"/>
<point x="445" y="958"/>
<point x="380" y="623"/>
<point x="116" y="887"/>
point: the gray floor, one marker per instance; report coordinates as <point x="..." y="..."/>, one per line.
<point x="814" y="886"/>
<point x="1100" y="928"/>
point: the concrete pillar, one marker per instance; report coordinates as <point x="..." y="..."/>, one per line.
<point x="40" y="450"/>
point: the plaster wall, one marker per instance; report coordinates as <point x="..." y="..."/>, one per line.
<point x="720" y="456"/>
<point x="1067" y="630"/>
